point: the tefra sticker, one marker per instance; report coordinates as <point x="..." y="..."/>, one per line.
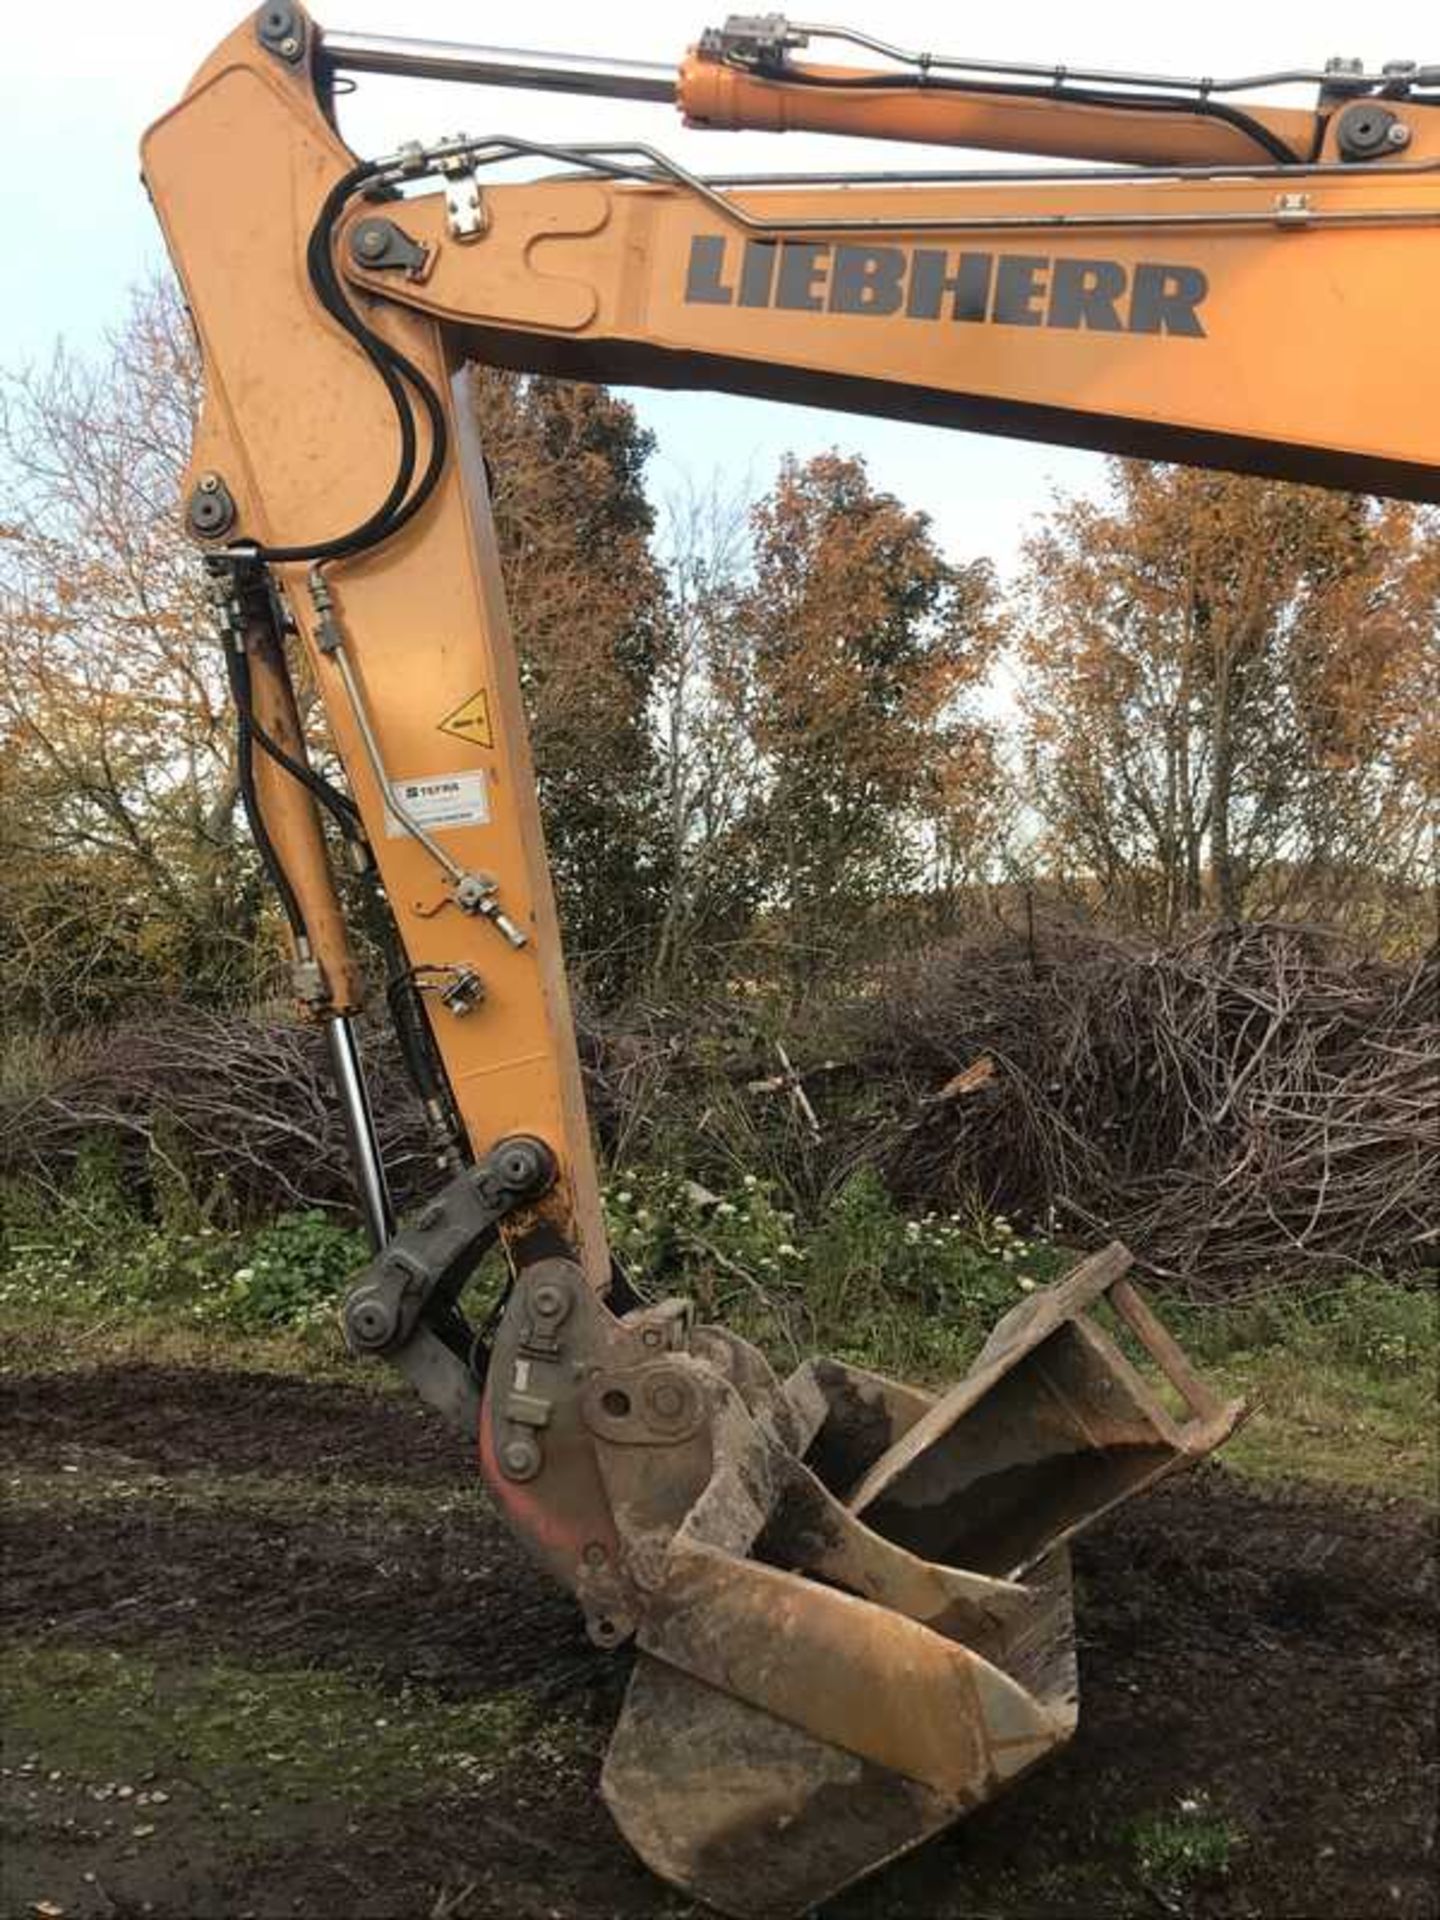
<point x="444" y="800"/>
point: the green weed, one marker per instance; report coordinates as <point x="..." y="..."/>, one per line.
<point x="864" y="1281"/>
<point x="1174" y="1850"/>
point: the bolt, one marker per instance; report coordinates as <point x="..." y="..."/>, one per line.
<point x="520" y="1459"/>
<point x="667" y="1400"/>
<point x="209" y="483"/>
<point x="652" y="1337"/>
<point x="547" y="1300"/>
<point x="371" y="1323"/>
<point x="519" y="1167"/>
<point x="1398" y="134"/>
<point x="290" y="46"/>
<point x="371" y="241"/>
<point x="594" y="1554"/>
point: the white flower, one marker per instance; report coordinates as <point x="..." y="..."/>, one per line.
<point x="912" y="1231"/>
<point x="243" y="1275"/>
<point x="787" y="1252"/>
<point x="750" y="1182"/>
<point x="1027" y="1285"/>
<point x="624" y="1196"/>
<point x="725" y="1210"/>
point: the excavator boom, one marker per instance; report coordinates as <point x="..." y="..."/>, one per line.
<point x="849" y="1599"/>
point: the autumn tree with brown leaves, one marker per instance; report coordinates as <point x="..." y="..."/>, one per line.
<point x="711" y="778"/>
<point x="124" y="873"/>
<point x="1222" y="691"/>
<point x="848" y="665"/>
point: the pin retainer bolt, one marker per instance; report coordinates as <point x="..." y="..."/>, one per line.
<point x="370" y="1322"/>
<point x="520" y="1459"/>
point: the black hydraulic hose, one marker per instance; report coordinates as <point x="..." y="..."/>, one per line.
<point x="395" y="370"/>
<point x="339" y="805"/>
<point x="407" y="1017"/>
<point x="238" y="668"/>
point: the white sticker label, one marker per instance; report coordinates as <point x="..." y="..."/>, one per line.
<point x="447" y="800"/>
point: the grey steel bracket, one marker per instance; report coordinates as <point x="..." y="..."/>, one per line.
<point x="402" y="1306"/>
<point x="378" y="243"/>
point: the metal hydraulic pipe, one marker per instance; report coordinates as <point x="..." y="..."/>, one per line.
<point x="499" y="66"/>
<point x="360" y="1135"/>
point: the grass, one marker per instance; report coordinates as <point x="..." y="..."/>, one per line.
<point x="1333" y="1422"/>
<point x="244" y="1734"/>
<point x="1343" y="1385"/>
<point x="1175" y="1850"/>
<point x="39" y="1337"/>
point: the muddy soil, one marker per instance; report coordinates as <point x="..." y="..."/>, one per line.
<point x="1266" y="1655"/>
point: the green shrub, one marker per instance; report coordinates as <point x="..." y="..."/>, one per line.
<point x="91" y="1251"/>
<point x="293" y="1275"/>
<point x="864" y="1281"/>
<point x="1367" y="1322"/>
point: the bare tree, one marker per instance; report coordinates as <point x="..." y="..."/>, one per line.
<point x="117" y="827"/>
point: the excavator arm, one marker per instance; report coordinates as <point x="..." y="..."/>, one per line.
<point x="850" y="1598"/>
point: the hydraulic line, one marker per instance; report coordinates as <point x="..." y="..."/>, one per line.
<point x="238" y="668"/>
<point x="401" y="503"/>
<point x="340" y="806"/>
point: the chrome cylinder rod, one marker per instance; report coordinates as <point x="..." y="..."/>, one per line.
<point x="360" y="1135"/>
<point x="499" y="66"/>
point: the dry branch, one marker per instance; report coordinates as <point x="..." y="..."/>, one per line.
<point x="1256" y="1102"/>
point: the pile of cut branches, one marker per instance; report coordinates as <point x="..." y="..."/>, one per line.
<point x="237" y="1109"/>
<point x="1256" y="1102"/>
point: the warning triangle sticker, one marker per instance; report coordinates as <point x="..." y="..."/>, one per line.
<point x="471" y="721"/>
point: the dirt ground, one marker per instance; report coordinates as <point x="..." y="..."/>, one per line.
<point x="1258" y="1688"/>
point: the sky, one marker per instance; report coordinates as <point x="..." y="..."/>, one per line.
<point x="81" y="81"/>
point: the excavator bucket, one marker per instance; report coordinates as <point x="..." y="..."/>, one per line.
<point x="850" y="1600"/>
